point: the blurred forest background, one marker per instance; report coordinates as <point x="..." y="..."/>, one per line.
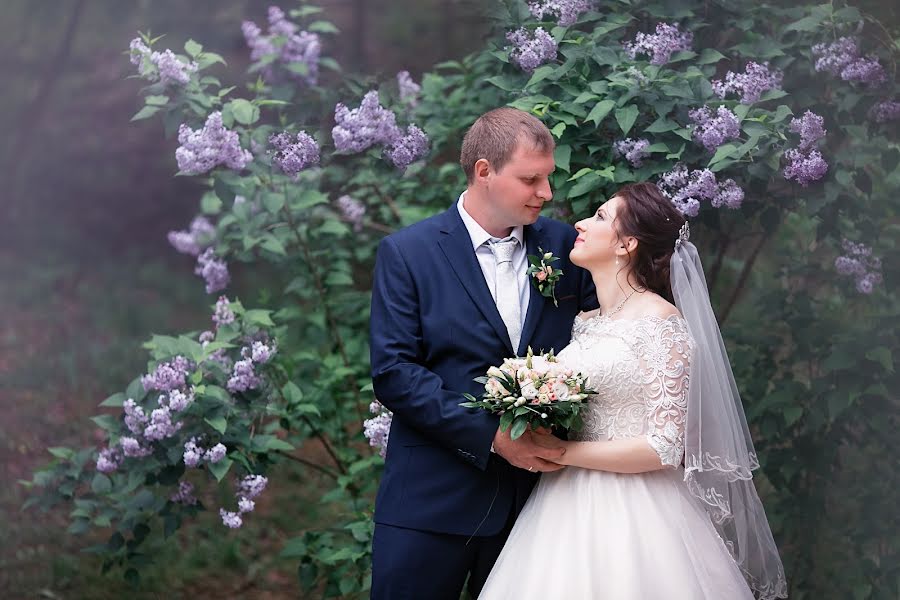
<point x="85" y="269"/>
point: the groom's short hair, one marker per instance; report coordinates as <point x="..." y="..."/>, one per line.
<point x="494" y="135"/>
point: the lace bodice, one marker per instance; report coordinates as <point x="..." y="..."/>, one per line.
<point x="640" y="369"/>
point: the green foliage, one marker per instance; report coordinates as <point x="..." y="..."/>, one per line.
<point x="814" y="358"/>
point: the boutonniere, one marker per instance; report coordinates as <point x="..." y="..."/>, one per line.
<point x="543" y="275"/>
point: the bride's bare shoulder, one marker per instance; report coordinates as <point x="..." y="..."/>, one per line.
<point x="658" y="306"/>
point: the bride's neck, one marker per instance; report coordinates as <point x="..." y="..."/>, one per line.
<point x="613" y="287"/>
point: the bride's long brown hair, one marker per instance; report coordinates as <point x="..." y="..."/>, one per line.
<point x="654" y="222"/>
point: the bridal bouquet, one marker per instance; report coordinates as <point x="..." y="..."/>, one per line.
<point x="535" y="391"/>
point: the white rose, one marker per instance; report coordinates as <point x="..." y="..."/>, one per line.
<point x="529" y="392"/>
<point x="495" y="372"/>
<point x="561" y="390"/>
<point x="543" y="399"/>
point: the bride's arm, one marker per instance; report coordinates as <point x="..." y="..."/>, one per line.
<point x="666" y="390"/>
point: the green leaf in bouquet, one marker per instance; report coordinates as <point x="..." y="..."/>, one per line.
<point x="518" y="428"/>
<point x="506" y="420"/>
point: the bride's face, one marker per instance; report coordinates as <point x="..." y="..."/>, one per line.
<point x="597" y="242"/>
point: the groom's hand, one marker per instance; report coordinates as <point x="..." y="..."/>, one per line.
<point x="526" y="453"/>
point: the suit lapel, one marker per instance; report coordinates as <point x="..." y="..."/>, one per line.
<point x="457" y="247"/>
<point x="534" y="238"/>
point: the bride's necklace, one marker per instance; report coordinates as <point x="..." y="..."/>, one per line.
<point x="621" y="304"/>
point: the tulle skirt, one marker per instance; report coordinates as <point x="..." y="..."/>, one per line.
<point x="591" y="534"/>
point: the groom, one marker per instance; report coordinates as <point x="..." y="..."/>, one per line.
<point x="451" y="298"/>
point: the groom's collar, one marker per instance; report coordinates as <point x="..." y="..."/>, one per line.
<point x="476" y="232"/>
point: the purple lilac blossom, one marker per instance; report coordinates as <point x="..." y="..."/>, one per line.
<point x="378" y="428"/>
<point x="213" y="270"/>
<point x="246" y="505"/>
<point x="296" y="51"/>
<point x="230" y="519"/>
<point x="193" y="453"/>
<point x="810" y="127"/>
<point x="185" y="494"/>
<point x="407" y="149"/>
<point x="216" y="453"/>
<point x="805" y="167"/>
<point x="352" y="211"/>
<point x="361" y="128"/>
<point x="858" y="262"/>
<point x="135" y="418"/>
<point x="252" y="486"/>
<point x="204" y="149"/>
<point x="842" y="58"/>
<point x="132" y="447"/>
<point x="223" y="314"/>
<point x="161" y="425"/>
<point x="138" y="50"/>
<point x="172" y="69"/>
<point x="566" y="11"/>
<point x="199" y="235"/>
<point x="178" y="400"/>
<point x="884" y="111"/>
<point x="205" y="338"/>
<point x="292" y="153"/>
<point x="686" y="189"/>
<point x="634" y="151"/>
<point x="108" y="460"/>
<point x="243" y="377"/>
<point x="660" y="46"/>
<point x="261" y="353"/>
<point x="713" y="131"/>
<point x="168" y="375"/>
<point x="409" y="89"/>
<point x="531" y="51"/>
<point x="750" y="85"/>
<point x="730" y="194"/>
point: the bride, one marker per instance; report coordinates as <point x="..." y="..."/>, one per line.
<point x="657" y="498"/>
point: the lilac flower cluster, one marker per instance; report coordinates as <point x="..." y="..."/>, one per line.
<point x="361" y="128"/>
<point x="749" y="85"/>
<point x="194" y="454"/>
<point x="713" y="131"/>
<point x="185" y="494"/>
<point x="805" y="163"/>
<point x="408" y="148"/>
<point x="858" y="262"/>
<point x="132" y="447"/>
<point x="223" y="315"/>
<point x="206" y="148"/>
<point x="250" y="487"/>
<point x="178" y="400"/>
<point x="165" y="66"/>
<point x="884" y="111"/>
<point x="529" y="52"/>
<point x="352" y="211"/>
<point x="660" y="46"/>
<point x="108" y="460"/>
<point x="686" y="189"/>
<point x="168" y="375"/>
<point x="409" y="89"/>
<point x="297" y="51"/>
<point x="842" y="58"/>
<point x="378" y="428"/>
<point x="213" y="270"/>
<point x="371" y="124"/>
<point x="635" y="74"/>
<point x="292" y="153"/>
<point x="634" y="151"/>
<point x="161" y="425"/>
<point x="199" y="235"/>
<point x="566" y="11"/>
<point x="243" y="375"/>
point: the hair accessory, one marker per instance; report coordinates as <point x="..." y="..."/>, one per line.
<point x="684" y="234"/>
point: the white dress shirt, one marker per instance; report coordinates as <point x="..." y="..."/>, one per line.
<point x="488" y="263"/>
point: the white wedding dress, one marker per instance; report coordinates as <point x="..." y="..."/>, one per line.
<point x="586" y="534"/>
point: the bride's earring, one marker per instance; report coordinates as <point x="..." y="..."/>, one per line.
<point x="617" y="262"/>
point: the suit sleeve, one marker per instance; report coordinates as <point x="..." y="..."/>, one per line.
<point x="400" y="380"/>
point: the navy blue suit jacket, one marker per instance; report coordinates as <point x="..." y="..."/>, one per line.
<point x="434" y="329"/>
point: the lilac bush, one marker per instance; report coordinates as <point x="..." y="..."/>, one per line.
<point x="213" y="270"/>
<point x="714" y="130"/>
<point x="634" y="151"/>
<point x="203" y="149"/>
<point x="688" y="188"/>
<point x="661" y="45"/>
<point x="296" y="52"/>
<point x="565" y="11"/>
<point x="293" y="153"/>
<point x="843" y="59"/>
<point x="531" y="50"/>
<point x="749" y="85"/>
<point x="859" y="263"/>
<point x="361" y="128"/>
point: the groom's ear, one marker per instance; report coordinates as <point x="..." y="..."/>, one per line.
<point x="482" y="168"/>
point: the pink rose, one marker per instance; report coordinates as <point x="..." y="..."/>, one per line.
<point x="541" y="275"/>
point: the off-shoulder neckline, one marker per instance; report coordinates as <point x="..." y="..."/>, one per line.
<point x="607" y="319"/>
